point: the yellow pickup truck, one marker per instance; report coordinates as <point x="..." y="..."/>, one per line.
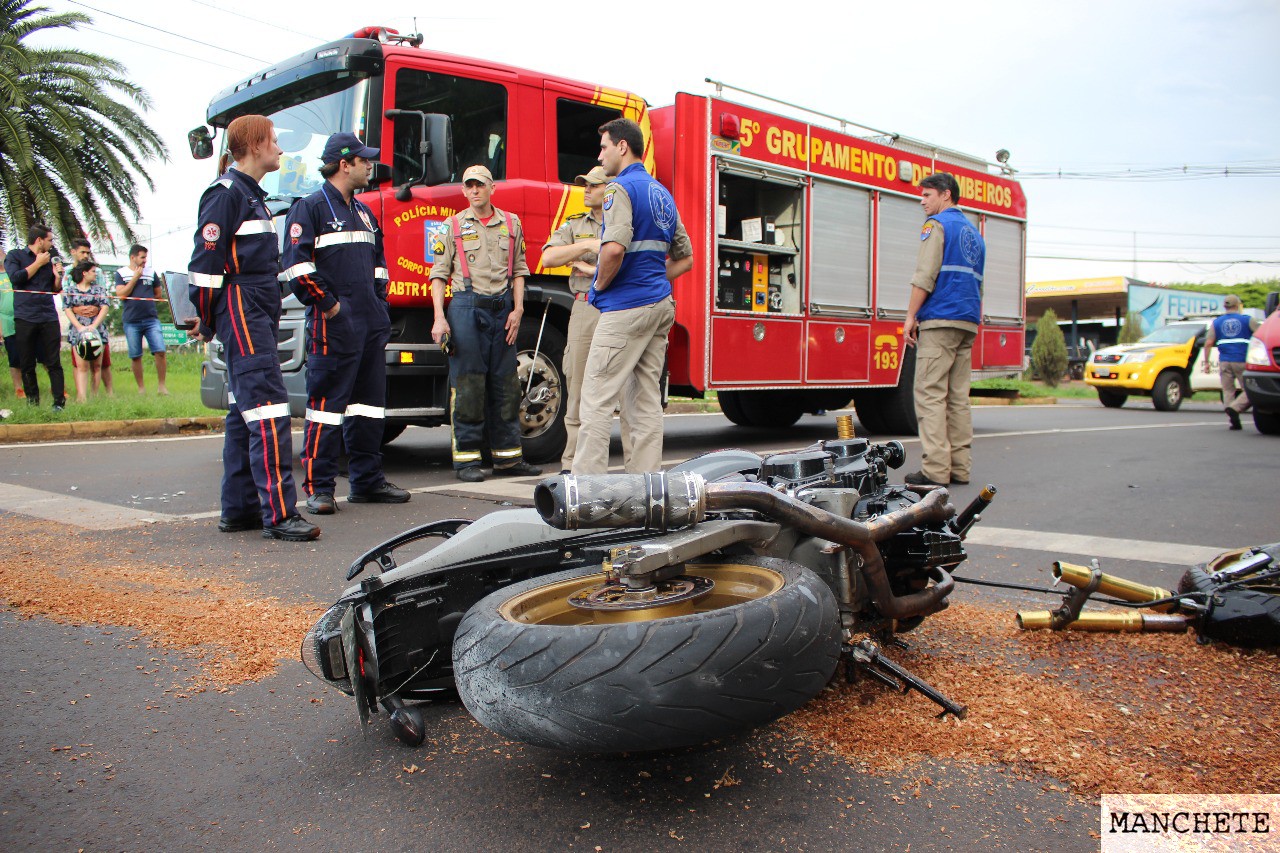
<point x="1167" y="366"/>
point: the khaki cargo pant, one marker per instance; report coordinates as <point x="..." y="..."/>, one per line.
<point x="943" y="372"/>
<point x="627" y="354"/>
<point x="582" y="326"/>
<point x="1231" y="374"/>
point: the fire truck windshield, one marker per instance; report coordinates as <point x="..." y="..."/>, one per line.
<point x="302" y="130"/>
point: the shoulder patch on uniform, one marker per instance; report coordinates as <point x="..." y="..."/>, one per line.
<point x="927" y="230"/>
<point x="437" y="248"/>
<point x="575" y="216"/>
<point x="608" y="199"/>
<point x="211" y="232"/>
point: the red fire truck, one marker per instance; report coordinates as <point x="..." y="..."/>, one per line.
<point x="805" y="237"/>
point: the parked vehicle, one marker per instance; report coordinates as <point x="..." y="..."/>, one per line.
<point x="804" y="237"/>
<point x="1166" y="365"/>
<point x="650" y="611"/>
<point x="1262" y="370"/>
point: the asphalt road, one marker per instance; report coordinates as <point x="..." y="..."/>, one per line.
<point x="282" y="763"/>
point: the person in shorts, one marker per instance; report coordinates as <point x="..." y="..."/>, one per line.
<point x="139" y="288"/>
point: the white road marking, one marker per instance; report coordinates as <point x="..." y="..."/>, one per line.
<point x="88" y="514"/>
<point x="1101" y="547"/>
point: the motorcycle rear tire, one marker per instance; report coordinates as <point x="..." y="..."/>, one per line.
<point x="769" y="643"/>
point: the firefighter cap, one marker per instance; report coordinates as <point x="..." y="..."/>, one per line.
<point x="343" y="145"/>
<point x="595" y="177"/>
<point x="477" y="173"/>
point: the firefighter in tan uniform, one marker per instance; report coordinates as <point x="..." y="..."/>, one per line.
<point x="480" y="254"/>
<point x="576" y="244"/>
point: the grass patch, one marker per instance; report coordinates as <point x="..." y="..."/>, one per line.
<point x="183" y="401"/>
<point x="1031" y="388"/>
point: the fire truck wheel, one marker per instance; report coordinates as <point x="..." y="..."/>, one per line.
<point x="891" y="411"/>
<point x="731" y="406"/>
<point x="542" y="407"/>
<point x="534" y="668"/>
<point x="1112" y="399"/>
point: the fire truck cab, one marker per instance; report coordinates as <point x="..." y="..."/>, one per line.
<point x="805" y="237"/>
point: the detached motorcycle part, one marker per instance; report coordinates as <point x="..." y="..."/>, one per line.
<point x="1121" y="588"/>
<point x="533" y="668"/>
<point x="864" y="657"/>
<point x="1126" y="621"/>
<point x="1244" y="611"/>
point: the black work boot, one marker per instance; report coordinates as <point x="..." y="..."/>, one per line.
<point x="520" y="469"/>
<point x="227" y="524"/>
<point x="295" y="528"/>
<point x="1234" y="417"/>
<point x="322" y="503"/>
<point x="387" y="493"/>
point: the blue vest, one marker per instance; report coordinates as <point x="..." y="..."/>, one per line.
<point x="642" y="278"/>
<point x="1231" y="332"/>
<point x="957" y="295"/>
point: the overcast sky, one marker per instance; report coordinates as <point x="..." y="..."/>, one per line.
<point x="1094" y="88"/>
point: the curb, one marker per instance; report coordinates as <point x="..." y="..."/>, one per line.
<point x="15" y="433"/>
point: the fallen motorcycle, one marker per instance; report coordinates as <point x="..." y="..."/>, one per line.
<point x="652" y="611"/>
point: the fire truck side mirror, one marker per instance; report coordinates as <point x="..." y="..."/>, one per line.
<point x="437" y="158"/>
<point x="200" y="141"/>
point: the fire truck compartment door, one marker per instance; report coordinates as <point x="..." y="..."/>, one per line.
<point x="1003" y="279"/>
<point x="899" y="247"/>
<point x="748" y="350"/>
<point x="840" y="249"/>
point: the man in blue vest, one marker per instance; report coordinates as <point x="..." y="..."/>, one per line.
<point x="334" y="262"/>
<point x="1231" y="333"/>
<point x="942" y="321"/>
<point x="643" y="247"/>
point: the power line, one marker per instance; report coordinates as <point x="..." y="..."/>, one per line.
<point x="1214" y="261"/>
<point x="103" y="32"/>
<point x="167" y="32"/>
<point x="1151" y="233"/>
<point x="259" y="21"/>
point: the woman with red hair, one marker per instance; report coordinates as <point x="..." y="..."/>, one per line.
<point x="233" y="285"/>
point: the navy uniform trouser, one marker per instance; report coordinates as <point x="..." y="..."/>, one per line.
<point x="482" y="381"/>
<point x="257" y="451"/>
<point x="346" y="396"/>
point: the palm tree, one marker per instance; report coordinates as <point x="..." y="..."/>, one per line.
<point x="69" y="151"/>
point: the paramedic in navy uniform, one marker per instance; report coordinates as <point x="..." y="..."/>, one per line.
<point x="333" y="260"/>
<point x="233" y="285"/>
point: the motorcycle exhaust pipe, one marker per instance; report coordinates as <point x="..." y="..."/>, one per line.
<point x="655" y="501"/>
<point x="1125" y="590"/>
<point x="1130" y="623"/>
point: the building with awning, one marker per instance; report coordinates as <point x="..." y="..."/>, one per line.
<point x="1111" y="299"/>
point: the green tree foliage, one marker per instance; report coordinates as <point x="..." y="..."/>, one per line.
<point x="1131" y="332"/>
<point x="71" y="154"/>
<point x="1049" y="352"/>
<point x="1252" y="293"/>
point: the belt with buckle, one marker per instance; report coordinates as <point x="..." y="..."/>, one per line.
<point x="496" y="302"/>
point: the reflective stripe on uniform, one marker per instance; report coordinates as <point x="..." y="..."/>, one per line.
<point x="255" y="226"/>
<point x="266" y="413"/>
<point x="320" y="417"/>
<point x="231" y="398"/>
<point x="1231" y="341"/>
<point x="506" y="454"/>
<point x="466" y="456"/>
<point x="340" y="237"/>
<point x="360" y="410"/>
<point x="957" y="268"/>
<point x="304" y="268"/>
<point x="380" y="273"/>
<point x="649" y="246"/>
<point x="200" y="279"/>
